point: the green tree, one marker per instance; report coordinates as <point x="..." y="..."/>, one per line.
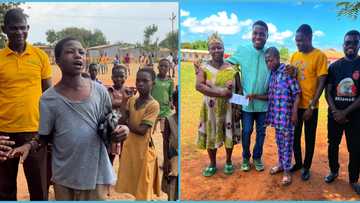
<point x="350" y="9"/>
<point x="284" y="54"/>
<point x="186" y="45"/>
<point x="86" y="37"/>
<point x="149" y="31"/>
<point x="171" y="41"/>
<point x="3" y="8"/>
<point x="51" y="36"/>
<point x="200" y="45"/>
<point x="39" y="44"/>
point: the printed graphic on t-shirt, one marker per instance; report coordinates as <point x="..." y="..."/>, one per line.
<point x="301" y="67"/>
<point x="356" y="75"/>
<point x="346" y="90"/>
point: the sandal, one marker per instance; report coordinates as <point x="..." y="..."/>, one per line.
<point x="286" y="179"/>
<point x="276" y="169"/>
<point x="228" y="169"/>
<point x="209" y="171"/>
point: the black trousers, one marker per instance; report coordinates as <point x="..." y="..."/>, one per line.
<point x="35" y="170"/>
<point x="352" y="135"/>
<point x="310" y="135"/>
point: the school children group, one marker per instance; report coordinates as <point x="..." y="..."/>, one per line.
<point x="68" y="115"/>
<point x="283" y="96"/>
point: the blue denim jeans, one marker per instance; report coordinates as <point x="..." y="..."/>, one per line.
<point x="247" y="128"/>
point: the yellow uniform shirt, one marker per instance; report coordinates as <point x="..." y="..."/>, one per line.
<point x="310" y="66"/>
<point x="20" y="88"/>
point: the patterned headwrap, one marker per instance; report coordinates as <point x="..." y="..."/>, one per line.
<point x="215" y="38"/>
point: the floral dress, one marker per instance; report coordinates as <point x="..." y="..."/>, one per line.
<point x="217" y="123"/>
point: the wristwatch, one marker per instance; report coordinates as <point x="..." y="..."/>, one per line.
<point x="311" y="106"/>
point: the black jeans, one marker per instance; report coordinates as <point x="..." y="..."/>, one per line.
<point x="310" y="134"/>
<point x="34" y="168"/>
<point x="352" y="135"/>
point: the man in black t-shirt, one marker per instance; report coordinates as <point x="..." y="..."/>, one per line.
<point x="342" y="95"/>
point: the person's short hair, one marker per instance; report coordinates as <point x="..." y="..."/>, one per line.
<point x="85" y="75"/>
<point x="60" y="46"/>
<point x="164" y="59"/>
<point x="261" y="23"/>
<point x="15" y="14"/>
<point x="93" y="65"/>
<point x="148" y="70"/>
<point x="117" y="68"/>
<point x="273" y="51"/>
<point x="305" y="29"/>
<point x="352" y="33"/>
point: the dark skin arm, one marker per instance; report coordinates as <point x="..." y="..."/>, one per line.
<point x="140" y="130"/>
<point x="238" y="90"/>
<point x="294" y="114"/>
<point x="166" y="136"/>
<point x="205" y="89"/>
<point x="24" y="150"/>
<point x="257" y="96"/>
<point x="45" y="84"/>
<point x="5" y="147"/>
<point x="340" y="115"/>
<point x="320" y="87"/>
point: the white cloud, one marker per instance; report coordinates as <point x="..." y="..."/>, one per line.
<point x="119" y="21"/>
<point x="274" y="35"/>
<point x="317" y="6"/>
<point x="318" y="33"/>
<point x="219" y="22"/>
<point x="184" y="13"/>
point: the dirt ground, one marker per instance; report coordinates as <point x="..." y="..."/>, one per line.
<point x="253" y="185"/>
<point x="23" y="194"/>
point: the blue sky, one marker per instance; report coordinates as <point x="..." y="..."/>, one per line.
<point x="233" y="21"/>
<point x="119" y="21"/>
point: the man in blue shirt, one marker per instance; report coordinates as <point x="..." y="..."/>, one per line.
<point x="254" y="80"/>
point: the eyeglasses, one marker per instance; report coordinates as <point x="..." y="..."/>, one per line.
<point x="351" y="42"/>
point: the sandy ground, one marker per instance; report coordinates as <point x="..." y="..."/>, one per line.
<point x="106" y="79"/>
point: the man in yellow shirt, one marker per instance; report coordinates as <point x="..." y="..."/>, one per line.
<point x="311" y="66"/>
<point x="25" y="72"/>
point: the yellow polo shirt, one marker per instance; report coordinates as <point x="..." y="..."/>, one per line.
<point x="20" y="88"/>
<point x="310" y="66"/>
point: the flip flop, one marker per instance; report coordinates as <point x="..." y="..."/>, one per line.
<point x="286" y="180"/>
<point x="276" y="169"/>
<point x="228" y="169"/>
<point x="209" y="171"/>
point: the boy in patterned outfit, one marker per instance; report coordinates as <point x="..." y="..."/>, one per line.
<point x="284" y="97"/>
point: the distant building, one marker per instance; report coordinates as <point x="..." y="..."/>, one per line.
<point x="194" y="54"/>
<point x="112" y="50"/>
<point x="49" y="51"/>
<point x="333" y="55"/>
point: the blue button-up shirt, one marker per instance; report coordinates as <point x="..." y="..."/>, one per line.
<point x="254" y="75"/>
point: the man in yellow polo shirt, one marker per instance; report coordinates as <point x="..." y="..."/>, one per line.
<point x="311" y="65"/>
<point x="25" y="72"/>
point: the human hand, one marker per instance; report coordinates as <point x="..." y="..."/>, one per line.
<point x="340" y="117"/>
<point x="307" y="114"/>
<point x="225" y="92"/>
<point x="229" y="84"/>
<point x="209" y="83"/>
<point x="120" y="133"/>
<point x="294" y="117"/>
<point x="5" y="147"/>
<point x="197" y="65"/>
<point x="290" y="70"/>
<point x="22" y="151"/>
<point x="251" y="96"/>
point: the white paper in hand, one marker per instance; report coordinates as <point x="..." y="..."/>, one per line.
<point x="239" y="99"/>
